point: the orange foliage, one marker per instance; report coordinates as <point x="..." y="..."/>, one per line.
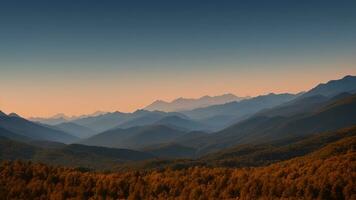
<point x="331" y="178"/>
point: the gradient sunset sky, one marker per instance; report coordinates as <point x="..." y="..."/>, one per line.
<point x="77" y="57"/>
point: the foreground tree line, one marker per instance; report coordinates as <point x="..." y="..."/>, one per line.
<point x="302" y="178"/>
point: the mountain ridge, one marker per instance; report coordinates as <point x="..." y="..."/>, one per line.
<point x="182" y="104"/>
<point x="134" y="137"/>
<point x="34" y="131"/>
<point x="334" y="87"/>
<point x="262" y="128"/>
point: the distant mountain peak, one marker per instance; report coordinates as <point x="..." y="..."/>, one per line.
<point x="14" y="115"/>
<point x="180" y="99"/>
<point x="206" y="96"/>
<point x="181" y="103"/>
<point x="334" y="87"/>
<point x="227" y="95"/>
<point x="140" y="111"/>
<point x="99" y="112"/>
<point x="59" y="115"/>
<point x="2" y="114"/>
<point x="349" y="77"/>
<point x="116" y="112"/>
<point x="160" y="101"/>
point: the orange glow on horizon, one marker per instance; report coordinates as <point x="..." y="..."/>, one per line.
<point x="89" y="97"/>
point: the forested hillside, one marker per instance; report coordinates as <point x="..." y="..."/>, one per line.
<point x="324" y="174"/>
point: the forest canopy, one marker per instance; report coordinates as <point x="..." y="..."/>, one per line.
<point x="325" y="174"/>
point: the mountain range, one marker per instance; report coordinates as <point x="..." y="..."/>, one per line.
<point x="333" y="87"/>
<point x="251" y="155"/>
<point x="75" y="129"/>
<point x="62" y="118"/>
<point x="224" y="115"/>
<point x="182" y="104"/>
<point x="336" y="113"/>
<point x="209" y="119"/>
<point x="135" y="137"/>
<point x="27" y="130"/>
<point x="124" y="120"/>
<point x="206" y="132"/>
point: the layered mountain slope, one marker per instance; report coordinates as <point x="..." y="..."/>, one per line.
<point x="62" y="118"/>
<point x="182" y="104"/>
<point x="334" y="87"/>
<point x="336" y="114"/>
<point x="256" y="155"/>
<point x="69" y="155"/>
<point x="8" y="134"/>
<point x="242" y="109"/>
<point x="144" y="117"/>
<point x="49" y="121"/>
<point x="297" y="106"/>
<point x="102" y="122"/>
<point x="181" y="123"/>
<point x="218" y="117"/>
<point x="176" y="148"/>
<point x="34" y="131"/>
<point x="252" y="154"/>
<point x="75" y="129"/>
<point x="123" y="120"/>
<point x="135" y="137"/>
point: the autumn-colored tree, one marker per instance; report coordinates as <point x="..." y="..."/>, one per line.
<point x="330" y="178"/>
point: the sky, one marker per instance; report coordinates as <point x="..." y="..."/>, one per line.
<point x="78" y="57"/>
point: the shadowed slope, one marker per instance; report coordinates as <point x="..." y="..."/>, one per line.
<point x="136" y="137"/>
<point x="34" y="131"/>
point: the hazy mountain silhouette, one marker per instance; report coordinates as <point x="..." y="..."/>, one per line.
<point x="144" y="117"/>
<point x="219" y="122"/>
<point x="242" y="108"/>
<point x="103" y="122"/>
<point x="221" y="116"/>
<point x="181" y="123"/>
<point x="336" y="114"/>
<point x="57" y="119"/>
<point x="33" y="131"/>
<point x="297" y="106"/>
<point x="124" y="120"/>
<point x="316" y="97"/>
<point x="190" y="136"/>
<point x="62" y="118"/>
<point x="135" y="137"/>
<point x="107" y="121"/>
<point x="75" y="129"/>
<point x="140" y="118"/>
<point x="265" y="118"/>
<point x="182" y="104"/>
